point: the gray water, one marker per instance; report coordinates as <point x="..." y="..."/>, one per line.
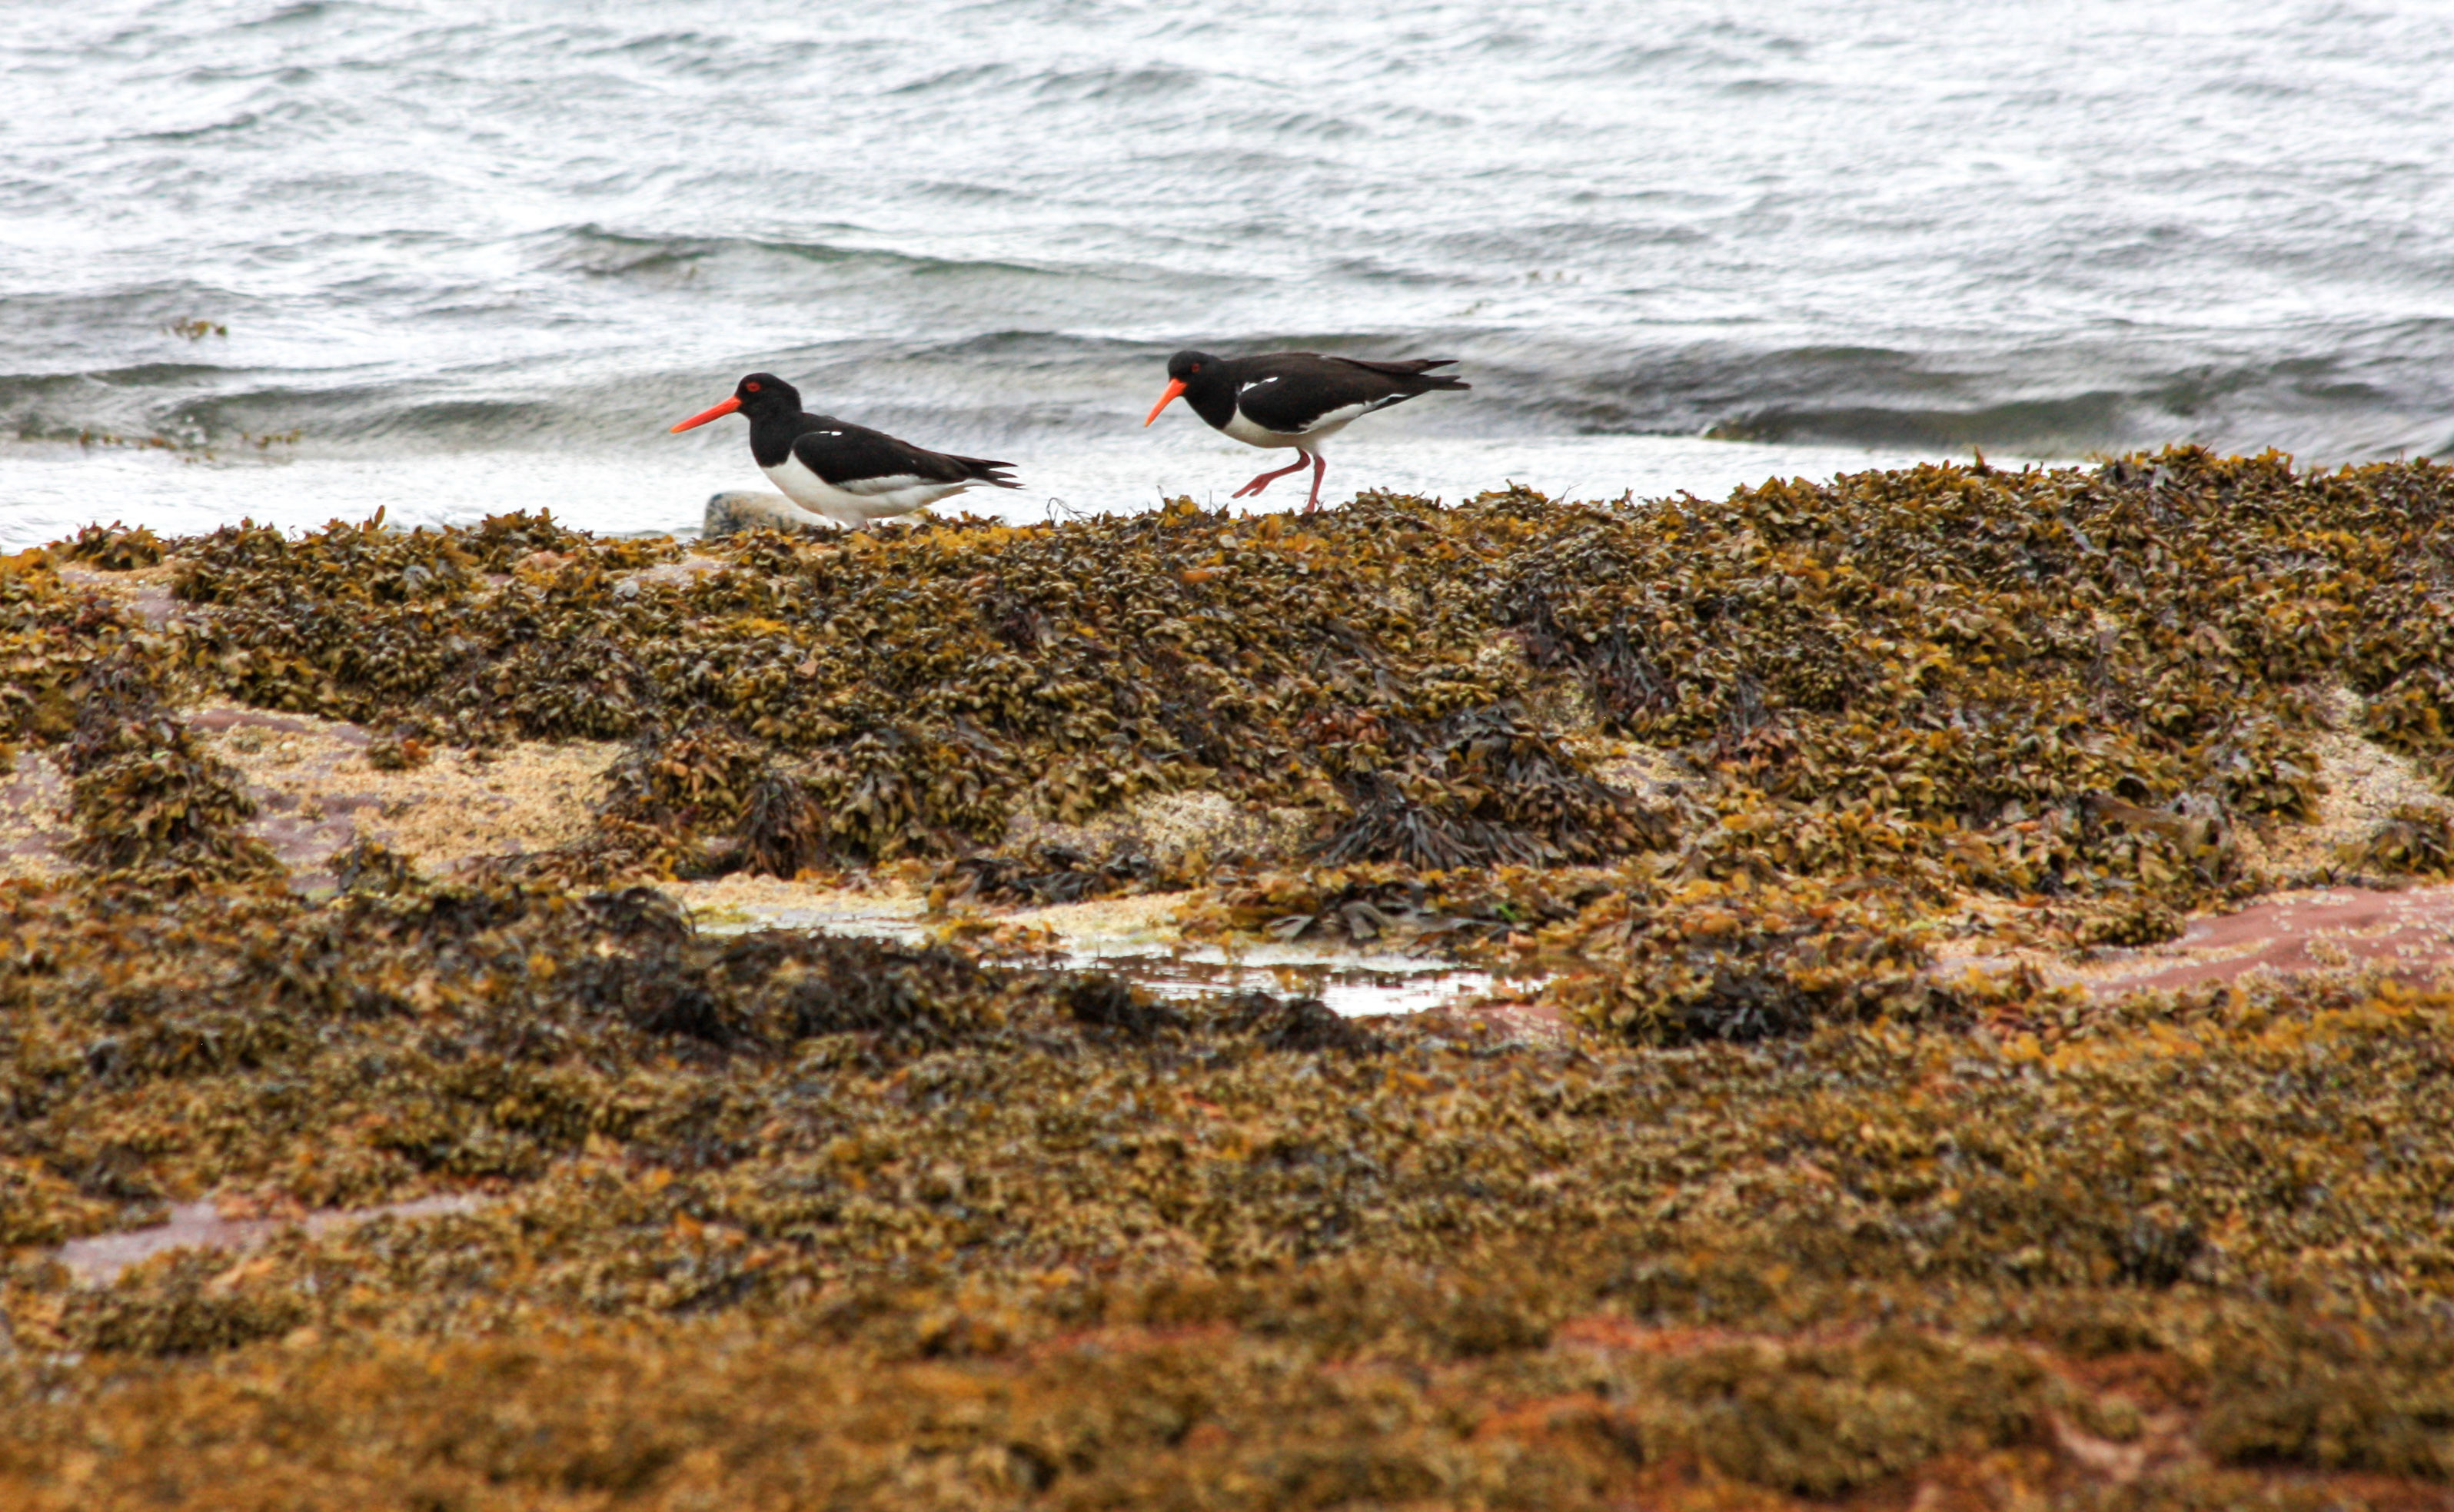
<point x="478" y="257"/>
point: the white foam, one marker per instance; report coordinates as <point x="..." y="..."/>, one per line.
<point x="49" y="492"/>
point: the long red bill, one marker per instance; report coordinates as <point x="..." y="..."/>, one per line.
<point x="717" y="414"/>
<point x="1174" y="387"/>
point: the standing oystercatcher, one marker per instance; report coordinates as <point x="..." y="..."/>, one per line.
<point x="1294" y="398"/>
<point x="848" y="472"/>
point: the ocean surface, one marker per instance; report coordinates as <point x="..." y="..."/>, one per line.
<point x="297" y="261"/>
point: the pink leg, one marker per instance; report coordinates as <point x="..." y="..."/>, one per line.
<point x="1265" y="479"/>
<point x="1319" y="471"/>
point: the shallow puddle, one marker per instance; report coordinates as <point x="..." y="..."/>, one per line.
<point x="1356" y="983"/>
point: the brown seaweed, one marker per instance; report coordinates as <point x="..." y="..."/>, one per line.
<point x="778" y="1219"/>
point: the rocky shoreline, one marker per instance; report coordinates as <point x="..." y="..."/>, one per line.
<point x="1960" y="1019"/>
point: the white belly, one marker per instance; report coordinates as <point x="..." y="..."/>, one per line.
<point x="873" y="498"/>
<point x="1322" y="430"/>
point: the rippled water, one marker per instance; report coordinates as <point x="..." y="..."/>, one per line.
<point x="479" y="255"/>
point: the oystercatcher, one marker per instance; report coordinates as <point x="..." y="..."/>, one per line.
<point x="1294" y="398"/>
<point x="848" y="472"/>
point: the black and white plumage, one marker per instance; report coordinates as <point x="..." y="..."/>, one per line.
<point x="1296" y="399"/>
<point x="848" y="472"/>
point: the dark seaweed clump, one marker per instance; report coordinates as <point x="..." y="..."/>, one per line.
<point x="1716" y="963"/>
<point x="50" y="639"/>
<point x="508" y="627"/>
<point x="1394" y="905"/>
<point x="1045" y="874"/>
<point x="150" y="805"/>
<point x="114" y="548"/>
<point x="1478" y="788"/>
<point x="2415" y="842"/>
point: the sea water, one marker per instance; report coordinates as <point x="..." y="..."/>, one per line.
<point x="300" y="261"/>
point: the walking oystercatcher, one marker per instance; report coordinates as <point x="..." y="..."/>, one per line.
<point x="1294" y="398"/>
<point x="848" y="472"/>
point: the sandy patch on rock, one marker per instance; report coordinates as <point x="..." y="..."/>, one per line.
<point x="1105" y="921"/>
<point x="319" y="794"/>
<point x="2364" y="784"/>
<point x="1171" y="828"/>
<point x="681" y="572"/>
<point x="33" y="818"/>
<point x="897" y="904"/>
<point x="145" y="591"/>
<point x="896" y="900"/>
<point x="1649" y="772"/>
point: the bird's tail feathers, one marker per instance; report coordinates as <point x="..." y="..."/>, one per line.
<point x="1418" y="368"/>
<point x="985" y="471"/>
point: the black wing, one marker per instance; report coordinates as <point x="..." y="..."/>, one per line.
<point x="860" y="460"/>
<point x="1289" y="391"/>
<point x="1417" y="372"/>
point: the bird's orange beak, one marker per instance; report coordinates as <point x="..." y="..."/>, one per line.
<point x="1174" y="387"/>
<point x="705" y="416"/>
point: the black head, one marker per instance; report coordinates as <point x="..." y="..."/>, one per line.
<point x="761" y="396"/>
<point x="1189" y="372"/>
<point x="765" y="394"/>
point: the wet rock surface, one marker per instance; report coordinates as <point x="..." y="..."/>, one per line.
<point x="1961" y="1024"/>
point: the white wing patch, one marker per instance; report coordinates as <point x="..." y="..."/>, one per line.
<point x="893" y="483"/>
<point x="859" y="499"/>
<point x="1336" y="419"/>
<point x="1252" y="433"/>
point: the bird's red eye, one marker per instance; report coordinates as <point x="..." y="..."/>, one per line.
<point x="752" y="387"/>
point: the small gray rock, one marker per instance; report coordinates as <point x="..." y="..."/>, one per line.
<point x="732" y="512"/>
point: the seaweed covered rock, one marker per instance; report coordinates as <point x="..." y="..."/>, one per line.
<point x="1979" y="666"/>
<point x="915" y="694"/>
<point x="727" y="1191"/>
<point x="2070" y="681"/>
<point x="1719" y="962"/>
<point x="772" y="1219"/>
